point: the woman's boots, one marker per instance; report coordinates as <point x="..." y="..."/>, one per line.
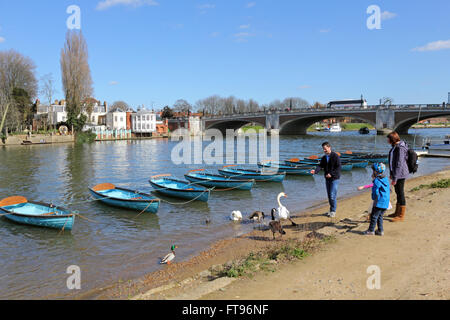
<point x="401" y="215"/>
<point x="396" y="213"/>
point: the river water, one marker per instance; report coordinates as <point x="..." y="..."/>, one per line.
<point x="118" y="244"/>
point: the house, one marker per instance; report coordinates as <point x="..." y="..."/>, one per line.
<point x="116" y="120"/>
<point x="143" y="122"/>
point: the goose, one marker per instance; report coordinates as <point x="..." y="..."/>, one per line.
<point x="257" y="216"/>
<point x="283" y="212"/>
<point x="169" y="257"/>
<point x="275" y="226"/>
<point x="236" y="216"/>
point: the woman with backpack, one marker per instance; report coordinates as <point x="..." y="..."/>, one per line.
<point x="399" y="171"/>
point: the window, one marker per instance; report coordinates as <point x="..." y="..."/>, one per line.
<point x="148" y="126"/>
<point x="121" y="119"/>
<point x="115" y="118"/>
<point x="148" y="118"/>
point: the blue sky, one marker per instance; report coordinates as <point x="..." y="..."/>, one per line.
<point x="157" y="51"/>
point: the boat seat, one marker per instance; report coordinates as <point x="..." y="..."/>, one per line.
<point x="13" y="201"/>
<point x="138" y="198"/>
<point x="104" y="186"/>
<point x="49" y="214"/>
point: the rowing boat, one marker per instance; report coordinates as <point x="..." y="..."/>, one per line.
<point x="218" y="181"/>
<point x="289" y="169"/>
<point x="258" y="175"/>
<point x="172" y="187"/>
<point x="125" y="198"/>
<point x="20" y="210"/>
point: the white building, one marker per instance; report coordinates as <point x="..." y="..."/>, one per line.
<point x="143" y="121"/>
<point x="195" y="125"/>
<point x="116" y="120"/>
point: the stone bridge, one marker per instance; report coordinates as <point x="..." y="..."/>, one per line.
<point x="296" y="122"/>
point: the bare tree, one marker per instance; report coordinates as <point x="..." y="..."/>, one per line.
<point x="76" y="77"/>
<point x="17" y="72"/>
<point x="122" y="105"/>
<point x="182" y="105"/>
<point x="295" y="103"/>
<point x="387" y="101"/>
<point x="48" y="90"/>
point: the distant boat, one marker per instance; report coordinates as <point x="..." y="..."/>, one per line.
<point x="125" y="198"/>
<point x="20" y="210"/>
<point x="218" y="181"/>
<point x="172" y="187"/>
<point x="336" y="128"/>
<point x="364" y="130"/>
<point x="289" y="169"/>
<point x="439" y="149"/>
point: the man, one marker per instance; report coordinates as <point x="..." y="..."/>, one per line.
<point x="331" y="163"/>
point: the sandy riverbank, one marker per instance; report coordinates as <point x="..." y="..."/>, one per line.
<point x="413" y="256"/>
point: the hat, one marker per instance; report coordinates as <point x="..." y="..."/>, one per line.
<point x="379" y="167"/>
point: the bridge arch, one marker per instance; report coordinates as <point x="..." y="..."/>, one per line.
<point x="300" y="125"/>
<point x="403" y="126"/>
<point x="232" y="124"/>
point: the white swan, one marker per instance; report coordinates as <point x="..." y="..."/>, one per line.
<point x="236" y="216"/>
<point x="282" y="212"/>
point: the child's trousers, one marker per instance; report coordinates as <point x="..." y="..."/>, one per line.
<point x="376" y="218"/>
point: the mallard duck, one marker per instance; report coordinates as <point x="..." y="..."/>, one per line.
<point x="236" y="216"/>
<point x="275" y="226"/>
<point x="282" y="212"/>
<point x="170" y="256"/>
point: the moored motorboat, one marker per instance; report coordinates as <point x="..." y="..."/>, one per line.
<point x="209" y="180"/>
<point x="172" y="187"/>
<point x="20" y="210"/>
<point x="125" y="198"/>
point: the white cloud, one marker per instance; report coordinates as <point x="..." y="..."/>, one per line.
<point x="113" y="83"/>
<point x="434" y="46"/>
<point x="304" y="87"/>
<point x="244" y="26"/>
<point x="215" y="34"/>
<point x="386" y="15"/>
<point x="324" y="30"/>
<point x="243" y="36"/>
<point x="207" y="6"/>
<point x="106" y="4"/>
<point x="2" y="39"/>
<point x="251" y="4"/>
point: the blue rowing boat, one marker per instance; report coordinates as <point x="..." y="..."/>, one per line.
<point x="217" y="181"/>
<point x="20" y="210"/>
<point x="172" y="187"/>
<point x="125" y="198"/>
<point x="258" y="175"/>
<point x="289" y="169"/>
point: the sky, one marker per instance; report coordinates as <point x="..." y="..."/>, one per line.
<point x="153" y="52"/>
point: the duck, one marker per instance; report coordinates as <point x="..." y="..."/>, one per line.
<point x="275" y="225"/>
<point x="282" y="212"/>
<point x="170" y="256"/>
<point x="236" y="215"/>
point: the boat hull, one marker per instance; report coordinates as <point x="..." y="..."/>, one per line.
<point x="150" y="205"/>
<point x="63" y="220"/>
<point x="182" y="191"/>
<point x="291" y="170"/>
<point x="216" y="182"/>
<point x="255" y="175"/>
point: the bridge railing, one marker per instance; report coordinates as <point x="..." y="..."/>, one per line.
<point x="333" y="109"/>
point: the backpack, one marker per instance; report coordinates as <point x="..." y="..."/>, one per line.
<point x="412" y="161"/>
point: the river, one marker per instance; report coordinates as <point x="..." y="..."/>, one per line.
<point x="118" y="244"/>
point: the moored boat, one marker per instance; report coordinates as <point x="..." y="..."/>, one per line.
<point x="20" y="210"/>
<point x="172" y="187"/>
<point x="125" y="198"/>
<point x="205" y="179"/>
<point x="289" y="169"/>
<point x="257" y="175"/>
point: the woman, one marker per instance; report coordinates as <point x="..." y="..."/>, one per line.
<point x="398" y="165"/>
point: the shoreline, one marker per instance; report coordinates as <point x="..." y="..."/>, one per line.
<point x="194" y="273"/>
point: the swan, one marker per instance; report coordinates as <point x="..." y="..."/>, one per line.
<point x="169" y="257"/>
<point x="275" y="226"/>
<point x="282" y="212"/>
<point x="236" y="216"/>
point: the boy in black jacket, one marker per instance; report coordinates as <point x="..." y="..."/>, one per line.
<point x="331" y="163"/>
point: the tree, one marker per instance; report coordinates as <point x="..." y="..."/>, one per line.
<point x="387" y="101"/>
<point x="76" y="77"/>
<point x="122" y="105"/>
<point x="48" y="91"/>
<point x="182" y="106"/>
<point x="167" y="113"/>
<point x="17" y="72"/>
<point x="295" y="103"/>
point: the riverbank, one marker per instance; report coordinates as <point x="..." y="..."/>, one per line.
<point x="413" y="257"/>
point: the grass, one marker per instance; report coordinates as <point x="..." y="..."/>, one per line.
<point x="256" y="128"/>
<point x="85" y="137"/>
<point x="347" y="126"/>
<point x="441" y="184"/>
<point x="267" y="260"/>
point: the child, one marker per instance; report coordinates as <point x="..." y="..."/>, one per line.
<point x="380" y="197"/>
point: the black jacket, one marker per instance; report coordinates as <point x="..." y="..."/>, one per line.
<point x="333" y="166"/>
